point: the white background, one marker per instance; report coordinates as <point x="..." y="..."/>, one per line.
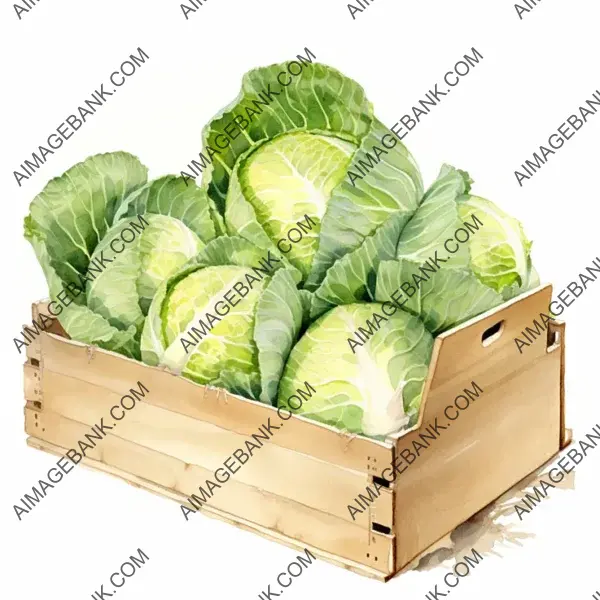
<point x="535" y="73"/>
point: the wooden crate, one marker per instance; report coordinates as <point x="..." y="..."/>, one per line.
<point x="297" y="487"/>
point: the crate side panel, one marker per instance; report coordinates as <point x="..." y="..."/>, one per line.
<point x="145" y="484"/>
<point x="464" y="350"/>
<point x="116" y="373"/>
<point x="33" y="352"/>
<point x="280" y="515"/>
<point x="506" y="433"/>
<point x="275" y="469"/>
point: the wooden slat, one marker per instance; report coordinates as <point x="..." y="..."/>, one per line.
<point x="116" y="373"/>
<point x="32" y="386"/>
<point x="302" y="478"/>
<point x="238" y="500"/>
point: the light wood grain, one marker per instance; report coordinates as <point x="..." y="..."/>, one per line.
<point x="236" y="499"/>
<point x="297" y="487"/>
<point x="145" y="484"/>
<point x="282" y="471"/>
<point x="117" y="373"/>
<point x="32" y="385"/>
<point x="512" y="428"/>
<point x="558" y="328"/>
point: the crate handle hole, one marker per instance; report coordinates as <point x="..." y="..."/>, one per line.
<point x="491" y="334"/>
<point x="380" y="528"/>
<point x="553" y="340"/>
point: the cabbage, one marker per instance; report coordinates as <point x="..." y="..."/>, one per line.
<point x="498" y="254"/>
<point x="286" y="268"/>
<point x="291" y="163"/>
<point x="492" y="264"/>
<point x="201" y="323"/>
<point x="368" y="369"/>
<point x="410" y="263"/>
<point x="109" y="237"/>
<point x="123" y="290"/>
<point x="229" y="346"/>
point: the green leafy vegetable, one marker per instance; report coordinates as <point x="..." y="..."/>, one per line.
<point x="311" y="256"/>
<point x="448" y="297"/>
<point x="291" y="164"/>
<point x="459" y="255"/>
<point x="109" y="238"/>
<point x="123" y="290"/>
<point x="368" y="369"/>
<point x="73" y="212"/>
<point x="201" y="322"/>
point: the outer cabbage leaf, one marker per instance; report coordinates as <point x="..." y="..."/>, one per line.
<point x="449" y="297"/>
<point x="74" y="211"/>
<point x="88" y="327"/>
<point x="112" y="293"/>
<point x="352" y="278"/>
<point x="171" y="196"/>
<point x="240" y="383"/>
<point x="282" y="310"/>
<point x="79" y="321"/>
<point x="354" y="212"/>
<point x="436" y="219"/>
<point x="152" y="344"/>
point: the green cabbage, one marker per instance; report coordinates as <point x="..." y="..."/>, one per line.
<point x="204" y="321"/>
<point x="498" y="252"/>
<point x="75" y="227"/>
<point x="367" y="381"/>
<point x="292" y="163"/>
<point x="123" y="290"/>
<point x="286" y="268"/>
<point x="491" y="265"/>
